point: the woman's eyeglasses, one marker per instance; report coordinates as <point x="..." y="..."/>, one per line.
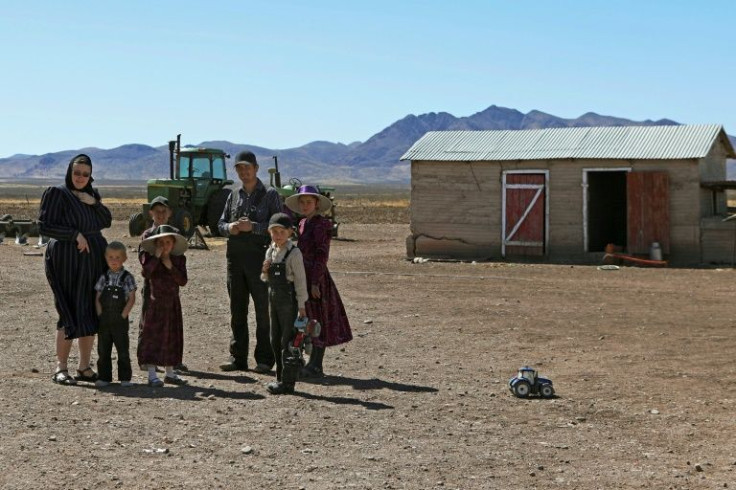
<point x="77" y="173"/>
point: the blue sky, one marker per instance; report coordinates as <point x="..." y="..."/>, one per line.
<point x="281" y="74"/>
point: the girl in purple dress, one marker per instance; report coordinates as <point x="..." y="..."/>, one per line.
<point x="324" y="304"/>
<point x="162" y="333"/>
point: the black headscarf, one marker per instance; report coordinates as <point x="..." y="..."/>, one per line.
<point x="84" y="160"/>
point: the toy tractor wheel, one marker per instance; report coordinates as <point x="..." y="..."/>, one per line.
<point x="215" y="206"/>
<point x="136" y="224"/>
<point x="184" y="221"/>
<point x="522" y="389"/>
<point x="546" y="391"/>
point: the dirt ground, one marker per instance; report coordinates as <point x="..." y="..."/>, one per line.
<point x="642" y="361"/>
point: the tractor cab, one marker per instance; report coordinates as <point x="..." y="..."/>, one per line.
<point x="195" y="190"/>
<point x="205" y="169"/>
<point x="528" y="374"/>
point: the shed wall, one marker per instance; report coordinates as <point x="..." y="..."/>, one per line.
<point x="718" y="241"/>
<point x="456" y="209"/>
<point x="713" y="169"/>
<point x="456" y="206"/>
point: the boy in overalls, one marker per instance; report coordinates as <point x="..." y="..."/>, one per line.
<point x="283" y="269"/>
<point x="114" y="300"/>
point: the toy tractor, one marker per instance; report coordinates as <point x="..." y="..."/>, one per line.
<point x="195" y="190"/>
<point x="526" y="382"/>
<point x="293" y="187"/>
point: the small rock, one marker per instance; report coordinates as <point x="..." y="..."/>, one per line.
<point x="654" y="411"/>
<point x="34" y="370"/>
<point x="367" y="322"/>
<point x="246" y="450"/>
<point x="52" y="438"/>
<point x="698" y="467"/>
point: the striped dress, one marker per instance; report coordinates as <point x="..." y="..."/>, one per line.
<point x="72" y="274"/>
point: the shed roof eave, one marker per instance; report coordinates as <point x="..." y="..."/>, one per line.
<point x="601" y="143"/>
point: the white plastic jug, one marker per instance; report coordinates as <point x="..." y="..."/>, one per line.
<point x="655" y="251"/>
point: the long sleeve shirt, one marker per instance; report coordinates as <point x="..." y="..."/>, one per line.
<point x="259" y="213"/>
<point x="294" y="269"/>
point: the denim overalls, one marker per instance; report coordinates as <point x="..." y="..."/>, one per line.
<point x="113" y="331"/>
<point x="282" y="297"/>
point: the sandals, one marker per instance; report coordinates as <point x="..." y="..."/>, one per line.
<point x="82" y="375"/>
<point x="62" y="377"/>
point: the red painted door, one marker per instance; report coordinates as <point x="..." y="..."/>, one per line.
<point x="524" y="229"/>
<point x="648" y="211"/>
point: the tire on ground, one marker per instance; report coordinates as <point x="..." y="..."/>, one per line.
<point x="136" y="224"/>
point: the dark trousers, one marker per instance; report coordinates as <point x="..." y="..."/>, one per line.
<point x="283" y="314"/>
<point x="243" y="282"/>
<point x="113" y="332"/>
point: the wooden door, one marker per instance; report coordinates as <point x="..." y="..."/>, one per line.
<point x="524" y="214"/>
<point x="648" y="211"/>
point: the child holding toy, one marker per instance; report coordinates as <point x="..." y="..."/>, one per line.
<point x="324" y="305"/>
<point x="162" y="334"/>
<point x="283" y="269"/>
<point x="114" y="299"/>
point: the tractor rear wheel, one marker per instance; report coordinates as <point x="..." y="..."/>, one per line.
<point x="136" y="224"/>
<point x="522" y="389"/>
<point x="215" y="206"/>
<point x="184" y="221"/>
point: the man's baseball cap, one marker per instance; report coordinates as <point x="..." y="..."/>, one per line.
<point x="246" y="158"/>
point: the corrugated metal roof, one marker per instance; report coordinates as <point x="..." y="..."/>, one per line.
<point x="620" y="142"/>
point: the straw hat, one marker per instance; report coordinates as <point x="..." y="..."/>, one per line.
<point x="292" y="202"/>
<point x="180" y="243"/>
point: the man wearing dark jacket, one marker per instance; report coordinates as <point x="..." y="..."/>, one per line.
<point x="245" y="222"/>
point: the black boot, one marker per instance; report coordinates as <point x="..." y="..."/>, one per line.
<point x="313" y="369"/>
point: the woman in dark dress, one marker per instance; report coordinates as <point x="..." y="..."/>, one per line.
<point x="324" y="304"/>
<point x="73" y="216"/>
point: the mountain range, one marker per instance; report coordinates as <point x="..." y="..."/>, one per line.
<point x="374" y="161"/>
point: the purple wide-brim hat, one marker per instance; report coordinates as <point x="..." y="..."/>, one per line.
<point x="292" y="202"/>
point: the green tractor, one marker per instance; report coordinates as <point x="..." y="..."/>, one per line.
<point x="293" y="187"/>
<point x="195" y="190"/>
